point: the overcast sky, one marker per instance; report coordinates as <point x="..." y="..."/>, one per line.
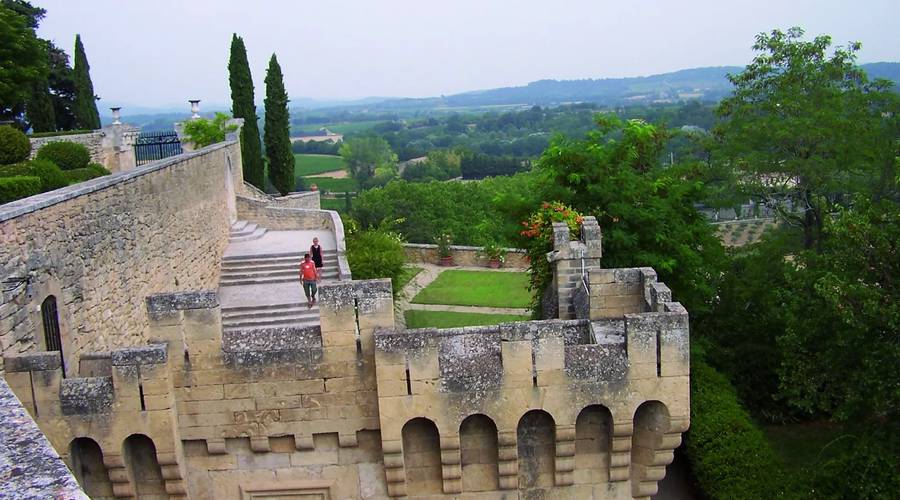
<point x="162" y="52"/>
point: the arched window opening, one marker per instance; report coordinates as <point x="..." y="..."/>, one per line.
<point x="536" y="439"/>
<point x="422" y="457"/>
<point x="143" y="468"/>
<point x="478" y="454"/>
<point x="593" y="439"/>
<point x="89" y="470"/>
<point x="651" y="422"/>
<point x="52" y="339"/>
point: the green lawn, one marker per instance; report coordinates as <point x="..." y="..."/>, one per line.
<point x="331" y="184"/>
<point x="443" y="319"/>
<point x="477" y="288"/>
<point x="316" y="164"/>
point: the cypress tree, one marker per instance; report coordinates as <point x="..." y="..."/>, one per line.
<point x="242" y="106"/>
<point x="85" y="101"/>
<point x="277" y="131"/>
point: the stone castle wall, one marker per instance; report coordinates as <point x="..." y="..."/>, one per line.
<point x="93" y="141"/>
<point x="101" y="246"/>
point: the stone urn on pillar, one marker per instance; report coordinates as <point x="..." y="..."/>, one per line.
<point x="116" y="115"/>
<point x="195" y="109"/>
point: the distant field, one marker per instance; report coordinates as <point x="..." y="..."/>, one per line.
<point x="339" y="128"/>
<point x="305" y="165"/>
<point x="444" y="319"/>
<point x="331" y="184"/>
<point x="743" y="232"/>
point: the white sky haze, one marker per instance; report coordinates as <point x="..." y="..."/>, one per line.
<point x="162" y="52"/>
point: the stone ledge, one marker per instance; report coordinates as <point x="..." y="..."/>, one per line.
<point x="161" y="303"/>
<point x="29" y="467"/>
<point x="34" y="203"/>
<point x="150" y="355"/>
<point x="38" y="361"/>
<point x="86" y="396"/>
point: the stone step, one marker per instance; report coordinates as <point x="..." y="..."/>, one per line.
<point x="271" y="273"/>
<point x="298" y="256"/>
<point x="256" y="234"/>
<point x="275" y="324"/>
<point x="297" y="316"/>
<point x="240" y="311"/>
<point x="239" y="225"/>
<point x="273" y="264"/>
<point x="244" y="231"/>
<point x="270" y="280"/>
<point x="263" y="307"/>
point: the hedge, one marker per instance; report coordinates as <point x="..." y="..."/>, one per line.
<point x="92" y="171"/>
<point x="14" y="188"/>
<point x="51" y="176"/>
<point x="61" y="133"/>
<point x="730" y="457"/>
<point x="14" y="146"/>
<point x="68" y="155"/>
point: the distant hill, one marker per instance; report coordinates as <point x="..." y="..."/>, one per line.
<point x="705" y="84"/>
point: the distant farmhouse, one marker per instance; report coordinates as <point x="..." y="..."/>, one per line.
<point x="321" y="135"/>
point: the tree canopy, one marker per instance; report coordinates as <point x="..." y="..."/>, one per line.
<point x="370" y="160"/>
<point x="23" y="61"/>
<point x="803" y="125"/>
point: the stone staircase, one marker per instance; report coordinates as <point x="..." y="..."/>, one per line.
<point x="245" y="231"/>
<point x="269" y="316"/>
<point x="272" y="268"/>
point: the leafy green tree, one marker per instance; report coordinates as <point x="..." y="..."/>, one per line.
<point x="278" y="130"/>
<point x="804" y="124"/>
<point x="647" y="212"/>
<point x="376" y="253"/>
<point x="243" y="106"/>
<point x="202" y="132"/>
<point x="24" y="64"/>
<point x="39" y="108"/>
<point x="364" y="157"/>
<point x="844" y="314"/>
<point x="61" y="82"/>
<point x="86" y="113"/>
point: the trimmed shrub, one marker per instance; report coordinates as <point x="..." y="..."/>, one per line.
<point x="51" y="176"/>
<point x="14" y="146"/>
<point x="730" y="457"/>
<point x="67" y="155"/>
<point x="60" y="133"/>
<point x="14" y="188"/>
<point x="376" y="254"/>
<point x="92" y="171"/>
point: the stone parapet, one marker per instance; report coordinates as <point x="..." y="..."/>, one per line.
<point x="514" y="258"/>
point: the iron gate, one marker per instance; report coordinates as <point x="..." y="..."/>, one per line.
<point x="151" y="146"/>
